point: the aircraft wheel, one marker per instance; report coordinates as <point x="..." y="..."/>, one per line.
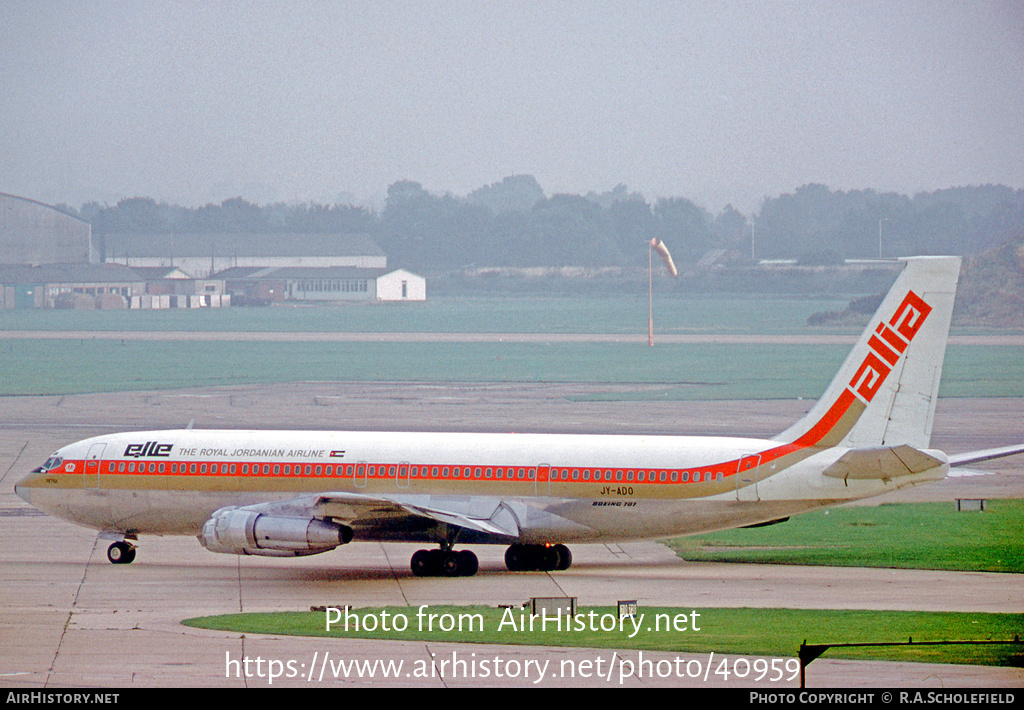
<point x="423" y="564"/>
<point x="468" y="563"/>
<point x="564" y="557"/>
<point x="548" y="559"/>
<point x="120" y="553"/>
<point x="450" y="564"/>
<point x="516" y="558"/>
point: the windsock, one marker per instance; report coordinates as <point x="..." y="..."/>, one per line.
<point x="659" y="246"/>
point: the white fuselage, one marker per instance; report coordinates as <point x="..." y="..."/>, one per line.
<point x="558" y="487"/>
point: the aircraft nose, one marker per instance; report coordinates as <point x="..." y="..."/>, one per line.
<point x="22" y="492"/>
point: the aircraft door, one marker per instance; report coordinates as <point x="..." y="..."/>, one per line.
<point x="543" y="486"/>
<point x="402" y="475"/>
<point x="747" y="474"/>
<point x="93" y="461"/>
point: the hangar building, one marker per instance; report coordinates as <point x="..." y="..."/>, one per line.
<point x="202" y="255"/>
<point x="34" y="233"/>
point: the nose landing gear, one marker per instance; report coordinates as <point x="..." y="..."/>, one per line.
<point x="121" y="553"/>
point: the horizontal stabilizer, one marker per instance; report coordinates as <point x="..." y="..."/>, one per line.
<point x="882" y="463"/>
<point x="972" y="457"/>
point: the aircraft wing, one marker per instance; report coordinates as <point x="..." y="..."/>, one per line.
<point x="358" y="510"/>
<point x="971" y="457"/>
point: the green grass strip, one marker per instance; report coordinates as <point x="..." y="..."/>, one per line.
<point x="906" y="536"/>
<point x="744" y="631"/>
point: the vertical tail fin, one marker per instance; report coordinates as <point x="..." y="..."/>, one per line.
<point x="884" y="394"/>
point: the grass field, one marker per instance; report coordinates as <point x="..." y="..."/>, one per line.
<point x="704" y="371"/>
<point x="691" y="372"/>
<point x="518" y="314"/>
<point x="910" y="536"/>
<point x="758" y="632"/>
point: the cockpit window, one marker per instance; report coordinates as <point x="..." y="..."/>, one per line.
<point x="50" y="464"/>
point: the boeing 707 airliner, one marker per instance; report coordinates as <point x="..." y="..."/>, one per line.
<point x="287" y="493"/>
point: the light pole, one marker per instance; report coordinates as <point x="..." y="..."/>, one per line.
<point x="884" y="219"/>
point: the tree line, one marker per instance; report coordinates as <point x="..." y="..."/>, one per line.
<point x="513" y="223"/>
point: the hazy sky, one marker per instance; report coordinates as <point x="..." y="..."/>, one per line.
<point x="192" y="102"/>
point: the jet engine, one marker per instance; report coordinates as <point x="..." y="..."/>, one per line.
<point x="246" y="532"/>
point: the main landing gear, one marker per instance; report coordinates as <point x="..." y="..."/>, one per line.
<point x="121" y="552"/>
<point x="446" y="562"/>
<point x="543" y="558"/>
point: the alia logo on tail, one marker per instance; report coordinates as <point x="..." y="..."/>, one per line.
<point x="907" y="320"/>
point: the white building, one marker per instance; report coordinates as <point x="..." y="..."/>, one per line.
<point x="401" y="285"/>
<point x="263" y="286"/>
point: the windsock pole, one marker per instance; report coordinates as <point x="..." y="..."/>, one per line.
<point x="652" y="246"/>
<point x="650" y="294"/>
